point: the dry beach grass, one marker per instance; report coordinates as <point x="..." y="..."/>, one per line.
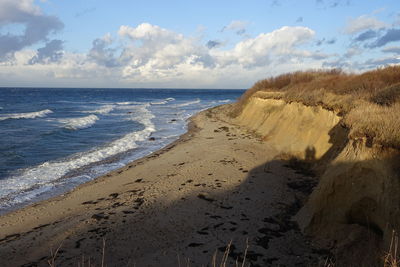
<point x="369" y="102"/>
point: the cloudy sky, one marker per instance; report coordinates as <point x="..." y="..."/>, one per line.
<point x="190" y="44"/>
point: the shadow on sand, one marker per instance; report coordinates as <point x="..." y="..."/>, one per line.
<point x="189" y="231"/>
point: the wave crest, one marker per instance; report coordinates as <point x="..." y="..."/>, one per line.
<point x="79" y="123"/>
<point x="28" y="115"/>
<point x="102" y="110"/>
<point x="188" y="103"/>
<point x="37" y="178"/>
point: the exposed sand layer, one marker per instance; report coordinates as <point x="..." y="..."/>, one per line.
<point x="217" y="184"/>
<point x="356" y="205"/>
<point x="290" y="127"/>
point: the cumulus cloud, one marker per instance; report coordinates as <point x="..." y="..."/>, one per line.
<point x="266" y="47"/>
<point x="238" y="26"/>
<point x="362" y="23"/>
<point x="101" y="53"/>
<point x="37" y="26"/>
<point x="51" y="52"/>
<point x="155" y="48"/>
<point x="149" y="55"/>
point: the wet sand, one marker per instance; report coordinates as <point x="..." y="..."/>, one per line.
<point x="217" y="184"/>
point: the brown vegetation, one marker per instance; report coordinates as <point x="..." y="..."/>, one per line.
<point x="369" y="102"/>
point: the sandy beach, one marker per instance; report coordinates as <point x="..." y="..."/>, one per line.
<point x="217" y="184"/>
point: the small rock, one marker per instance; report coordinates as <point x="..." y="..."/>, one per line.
<point x="99" y="216"/>
<point x="205" y="197"/>
<point x="114" y="195"/>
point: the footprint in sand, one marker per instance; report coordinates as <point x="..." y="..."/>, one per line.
<point x="205" y="196"/>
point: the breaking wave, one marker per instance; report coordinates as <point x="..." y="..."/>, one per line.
<point x="28" y="115"/>
<point x="45" y="176"/>
<point x="79" y="123"/>
<point x="102" y="110"/>
<point x="188" y="103"/>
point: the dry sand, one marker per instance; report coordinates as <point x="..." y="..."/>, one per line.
<point x="218" y="183"/>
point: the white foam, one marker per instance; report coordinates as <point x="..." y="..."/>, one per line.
<point x="129" y="103"/>
<point x="133" y="107"/>
<point x="224" y="101"/>
<point x="48" y="172"/>
<point x="79" y="123"/>
<point x="102" y="110"/>
<point x="159" y="102"/>
<point x="188" y="103"/>
<point x="163" y="102"/>
<point x="28" y="115"/>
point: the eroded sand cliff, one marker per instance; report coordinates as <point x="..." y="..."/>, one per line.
<point x="356" y="202"/>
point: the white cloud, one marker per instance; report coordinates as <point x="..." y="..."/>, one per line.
<point x="266" y="47"/>
<point x="158" y="48"/>
<point x="149" y="33"/>
<point x="151" y="56"/>
<point x="238" y="26"/>
<point x="362" y="23"/>
<point x="37" y="26"/>
<point x="102" y="53"/>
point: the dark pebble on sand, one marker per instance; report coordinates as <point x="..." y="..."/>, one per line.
<point x="192" y="245"/>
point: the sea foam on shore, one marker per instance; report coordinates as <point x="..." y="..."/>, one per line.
<point x="81" y="134"/>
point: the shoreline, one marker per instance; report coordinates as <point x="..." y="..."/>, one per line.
<point x="61" y="192"/>
<point x="191" y="129"/>
<point x="216" y="183"/>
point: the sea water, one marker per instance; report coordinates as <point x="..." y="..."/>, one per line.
<point x="53" y="139"/>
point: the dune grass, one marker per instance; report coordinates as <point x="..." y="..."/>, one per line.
<point x="369" y="102"/>
<point x="391" y="258"/>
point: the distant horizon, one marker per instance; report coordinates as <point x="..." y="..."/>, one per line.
<point x="130" y="88"/>
<point x="177" y="44"/>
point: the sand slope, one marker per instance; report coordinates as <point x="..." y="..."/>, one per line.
<point x="356" y="205"/>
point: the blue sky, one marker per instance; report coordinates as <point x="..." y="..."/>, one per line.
<point x="190" y="44"/>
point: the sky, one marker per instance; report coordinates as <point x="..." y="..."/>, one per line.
<point x="190" y="44"/>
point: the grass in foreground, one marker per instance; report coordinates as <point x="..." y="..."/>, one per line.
<point x="369" y="102"/>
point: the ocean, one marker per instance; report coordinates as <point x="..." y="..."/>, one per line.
<point x="53" y="139"/>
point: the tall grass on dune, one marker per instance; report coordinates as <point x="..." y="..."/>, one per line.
<point x="369" y="102"/>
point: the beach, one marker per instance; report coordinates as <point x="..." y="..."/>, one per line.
<point x="219" y="184"/>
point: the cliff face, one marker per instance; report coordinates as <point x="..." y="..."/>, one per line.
<point x="359" y="181"/>
<point x="291" y="128"/>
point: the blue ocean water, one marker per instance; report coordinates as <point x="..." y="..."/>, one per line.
<point x="52" y="140"/>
